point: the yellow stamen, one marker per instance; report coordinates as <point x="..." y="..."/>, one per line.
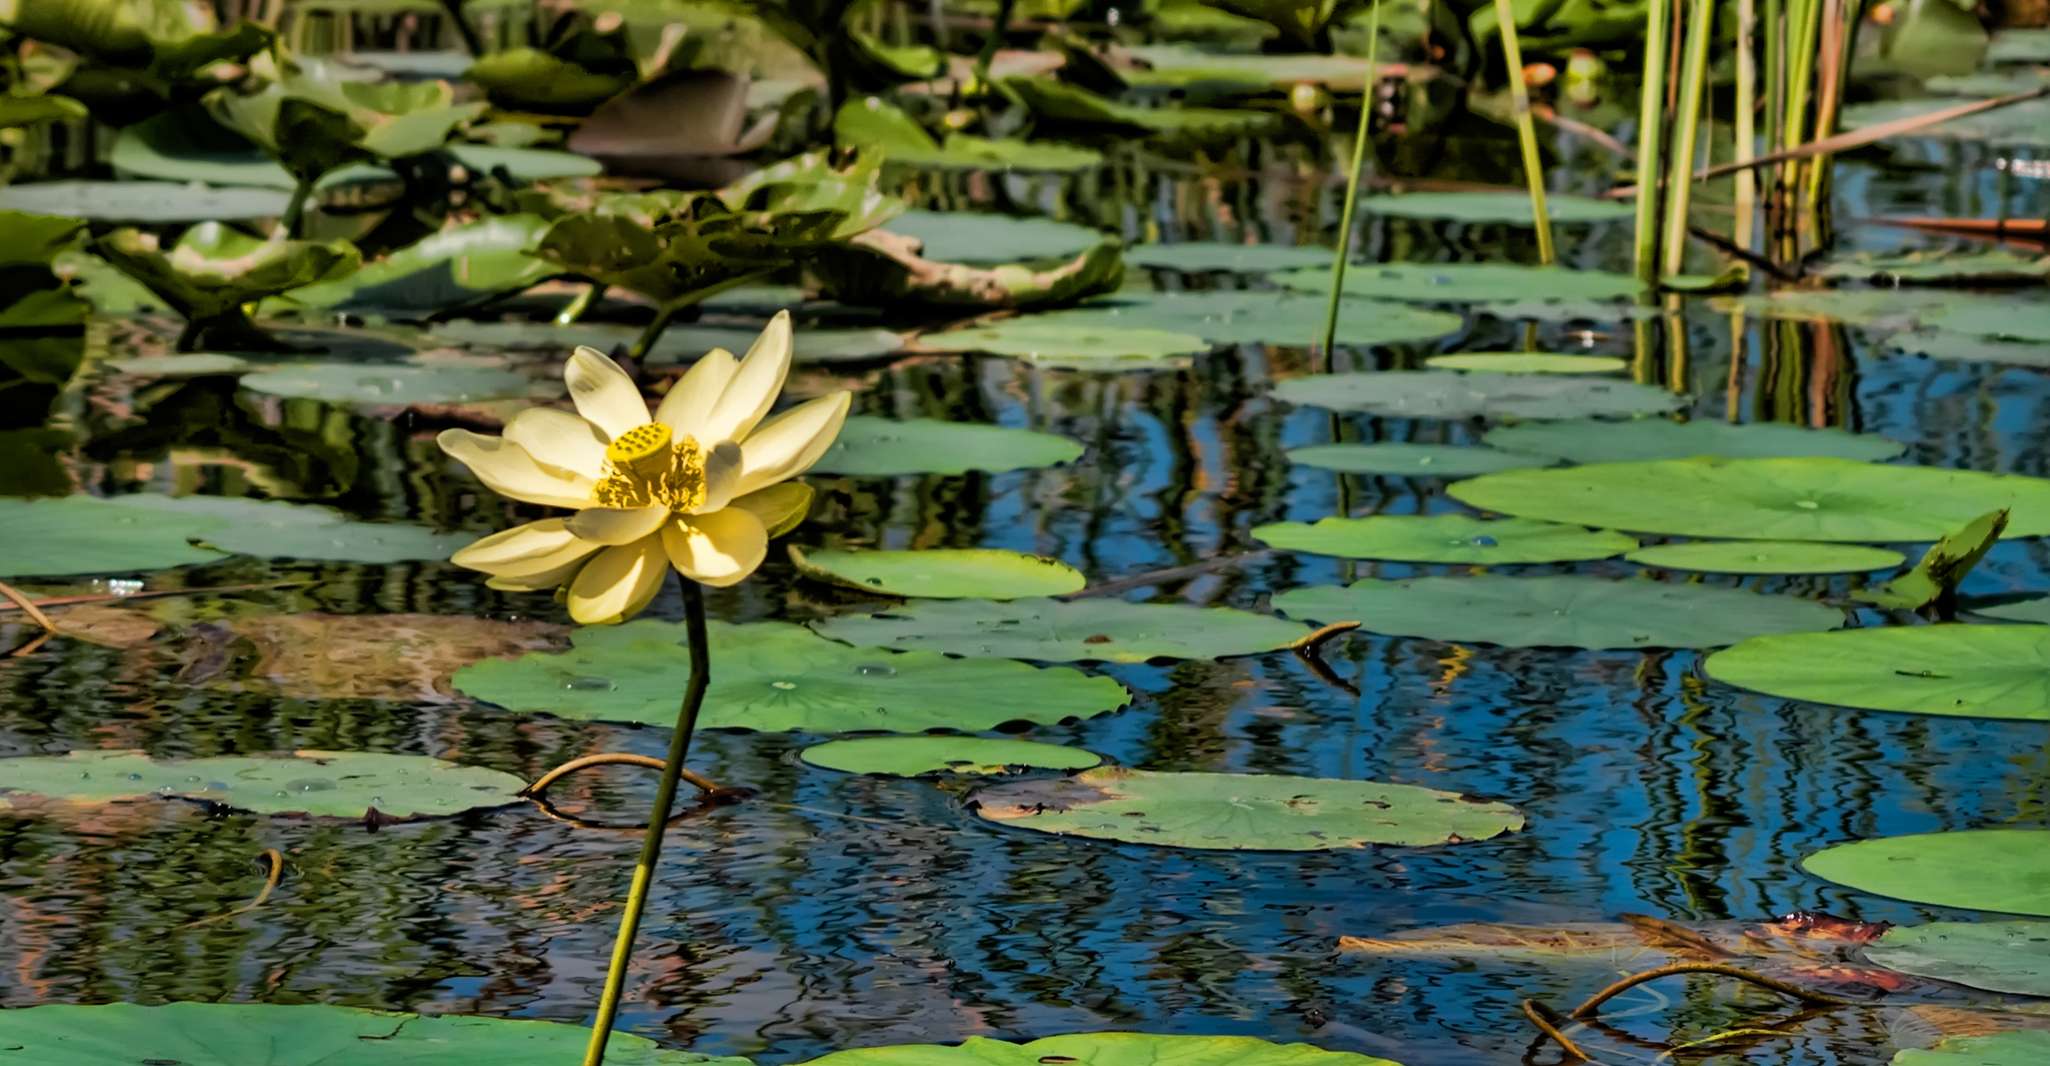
<point x="644" y="467"/>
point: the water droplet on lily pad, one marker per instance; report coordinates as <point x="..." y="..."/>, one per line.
<point x="875" y="670"/>
<point x="784" y="685"/>
<point x="589" y="684"/>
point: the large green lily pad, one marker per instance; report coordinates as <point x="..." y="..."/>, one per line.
<point x="1526" y="363"/>
<point x="320" y="784"/>
<point x="2035" y="609"/>
<point x="1767" y="557"/>
<point x="1968" y="671"/>
<point x="1804" y="498"/>
<point x="1942" y="267"/>
<point x="2022" y="125"/>
<point x="1201" y="257"/>
<point x="1450" y="394"/>
<point x="1070" y="344"/>
<point x="2003" y="870"/>
<point x="1494" y="205"/>
<point x="1450" y="538"/>
<point x="2011" y="957"/>
<point x="1589" y="441"/>
<point x="453" y="268"/>
<point x="1242" y="317"/>
<point x="1396" y="459"/>
<point x="971" y="237"/>
<point x="942" y="573"/>
<point x="921" y="756"/>
<point x="387" y="385"/>
<point x="1466" y="282"/>
<point x="144" y="202"/>
<point x="262" y="1034"/>
<point x="1243" y="812"/>
<point x="773" y="676"/>
<point x="680" y="343"/>
<point x="880" y="447"/>
<point x="1966" y="347"/>
<point x="2018" y="1047"/>
<point x="280" y="529"/>
<point x="88" y="535"/>
<point x="1106" y="630"/>
<point x="1103" y="1049"/>
<point x="1571" y="611"/>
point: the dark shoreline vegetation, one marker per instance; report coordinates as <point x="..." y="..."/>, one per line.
<point x="1271" y="533"/>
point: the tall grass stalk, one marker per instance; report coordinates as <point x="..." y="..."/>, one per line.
<point x="1352" y="184"/>
<point x="1835" y="56"/>
<point x="1526" y="131"/>
<point x="1746" y="133"/>
<point x="1651" y="135"/>
<point x="1774" y="41"/>
<point x="1686" y="130"/>
<point x="1804" y="25"/>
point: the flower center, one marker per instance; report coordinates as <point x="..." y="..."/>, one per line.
<point x="643" y="467"/>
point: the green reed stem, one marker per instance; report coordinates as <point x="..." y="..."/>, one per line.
<point x="1526" y="131"/>
<point x="1687" y="131"/>
<point x="1352" y="184"/>
<point x="1839" y="38"/>
<point x="1651" y="136"/>
<point x="1747" y="135"/>
<point x="1804" y="23"/>
<point x="658" y="820"/>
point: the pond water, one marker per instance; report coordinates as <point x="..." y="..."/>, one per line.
<point x="835" y="910"/>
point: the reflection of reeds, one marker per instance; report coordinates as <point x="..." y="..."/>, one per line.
<point x="1526" y="132"/>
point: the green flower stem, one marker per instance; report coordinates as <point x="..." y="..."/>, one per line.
<point x="582" y="303"/>
<point x="295" y="208"/>
<point x="1686" y="132"/>
<point x="1526" y="132"/>
<point x="645" y="343"/>
<point x="1651" y="136"/>
<point x="1352" y="186"/>
<point x="658" y="820"/>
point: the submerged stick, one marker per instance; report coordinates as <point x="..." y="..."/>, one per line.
<point x="1547" y="1020"/>
<point x="1526" y="132"/>
<point x="276" y="861"/>
<point x="1805" y="995"/>
<point x="1352" y="185"/>
<point x="613" y="758"/>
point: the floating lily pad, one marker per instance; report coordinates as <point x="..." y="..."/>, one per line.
<point x="1240" y="317"/>
<point x="2016" y="1047"/>
<point x="879" y="447"/>
<point x="1944" y="267"/>
<point x="2019" y="46"/>
<point x="88" y="535"/>
<point x="1243" y="812"/>
<point x="1199" y="257"/>
<point x="262" y="1034"/>
<point x="1495" y="205"/>
<point x="144" y="202"/>
<point x="2036" y="609"/>
<point x="1450" y="394"/>
<point x="2002" y="870"/>
<point x="1069" y="344"/>
<point x="280" y="529"/>
<point x="359" y="383"/>
<point x="453" y="268"/>
<point x="1466" y="282"/>
<point x="198" y="365"/>
<point x="2021" y="125"/>
<point x="1968" y="348"/>
<point x="1395" y="459"/>
<point x="1767" y="557"/>
<point x="942" y="573"/>
<point x="1450" y="538"/>
<point x="777" y="677"/>
<point x="1254" y="70"/>
<point x="1588" y="441"/>
<point x="1527" y="363"/>
<point x="2012" y="957"/>
<point x="1964" y="671"/>
<point x="320" y="784"/>
<point x="1103" y="1049"/>
<point x="973" y="237"/>
<point x="1106" y="630"/>
<point x="921" y="756"/>
<point x="680" y="343"/>
<point x="1805" y="498"/>
<point x="1571" y="611"/>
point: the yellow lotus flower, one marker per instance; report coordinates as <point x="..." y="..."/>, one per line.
<point x="701" y="485"/>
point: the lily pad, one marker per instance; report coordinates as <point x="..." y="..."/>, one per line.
<point x="454" y="268"/>
<point x="1767" y="557"/>
<point x="1103" y="1049"/>
<point x="1450" y="538"/>
<point x="1589" y="441"/>
<point x="320" y="784"/>
<point x="2021" y="125"/>
<point x="144" y="202"/>
<point x="881" y="447"/>
<point x="1527" y="363"/>
<point x="263" y="1034"/>
<point x="1103" y="630"/>
<point x="1571" y="611"/>
<point x="2036" y="609"/>
<point x="680" y="343"/>
<point x="1943" y="267"/>
<point x="2004" y="870"/>
<point x="2012" y="957"/>
<point x="2019" y="1047"/>
<point x="1396" y="459"/>
<point x="972" y="237"/>
<point x="1967" y="671"/>
<point x="1202" y="257"/>
<point x="1450" y="394"/>
<point x="395" y="385"/>
<point x="1241" y="317"/>
<point x="777" y="677"/>
<point x="923" y="756"/>
<point x="1495" y="205"/>
<point x="280" y="529"/>
<point x="1804" y="498"/>
<point x="1968" y="348"/>
<point x="89" y="535"/>
<point x="1467" y="282"/>
<point x="199" y="365"/>
<point x="1243" y="812"/>
<point x="1064" y="344"/>
<point x="942" y="573"/>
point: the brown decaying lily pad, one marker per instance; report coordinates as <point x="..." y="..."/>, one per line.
<point x="359" y="656"/>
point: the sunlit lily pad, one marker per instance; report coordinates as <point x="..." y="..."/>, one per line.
<point x="1588" y="441"/>
<point x="2003" y="870"/>
<point x="977" y="237"/>
<point x="680" y="343"/>
<point x="262" y="1034"/>
<point x="2036" y="609"/>
<point x="1527" y="363"/>
<point x="87" y="535"/>
<point x="1199" y="257"/>
<point x="360" y="383"/>
<point x="2012" y="957"/>
<point x="942" y="573"/>
<point x="2021" y="125"/>
<point x="1943" y="267"/>
<point x="197" y="365"/>
<point x="2019" y="1047"/>
<point x="1767" y="557"/>
<point x="321" y="784"/>
<point x="1102" y="1049"/>
<point x="1494" y="205"/>
<point x="1396" y="459"/>
<point x="921" y="756"/>
<point x="1572" y="611"/>
<point x="879" y="447"/>
<point x="1966" y="671"/>
<point x="1241" y="317"/>
<point x="1466" y="282"/>
<point x="777" y="677"/>
<point x="144" y="202"/>
<point x="1243" y="812"/>
<point x="453" y="268"/>
<point x="280" y="529"/>
<point x="1449" y="538"/>
<point x="1070" y="344"/>
<point x="1105" y="629"/>
<point x="1766" y="499"/>
<point x="1450" y="394"/>
<point x="1937" y="344"/>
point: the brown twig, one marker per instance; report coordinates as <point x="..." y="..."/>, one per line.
<point x="1308" y="643"/>
<point x="276" y="860"/>
<point x="35" y="611"/>
<point x="1173" y="573"/>
<point x="1546" y="1019"/>
<point x="615" y="758"/>
<point x="1805" y="995"/>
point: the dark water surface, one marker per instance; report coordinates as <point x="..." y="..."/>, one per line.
<point x="836" y="911"/>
